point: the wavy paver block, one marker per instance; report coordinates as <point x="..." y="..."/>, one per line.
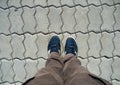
<point x="94" y="44"/>
<point x="19" y="70"/>
<point x="30" y="46"/>
<point x="16" y="21"/>
<point x="106" y="70"/>
<point x="4" y="22"/>
<point x="18" y="47"/>
<point x="7" y="74"/>
<point x="116" y="68"/>
<point x="81" y="19"/>
<point x="5" y="47"/>
<point x="82" y="44"/>
<point x="55" y="20"/>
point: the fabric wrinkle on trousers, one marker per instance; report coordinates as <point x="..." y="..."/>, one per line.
<point x="66" y="71"/>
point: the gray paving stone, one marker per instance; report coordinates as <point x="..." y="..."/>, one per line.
<point x="7" y="83"/>
<point x="4" y="22"/>
<point x="29" y="20"/>
<point x="93" y="66"/>
<point x="107" y="44"/>
<point x="5" y="47"/>
<point x="16" y="21"/>
<point x="115" y="82"/>
<point x="108" y="19"/>
<point x="116" y="69"/>
<point x="42" y="20"/>
<point x="7" y="70"/>
<point x="3" y="3"/>
<point x="19" y="70"/>
<point x="54" y="2"/>
<point x="42" y="48"/>
<point x="1" y="72"/>
<point x="30" y="46"/>
<point x="117" y="44"/>
<point x="82" y="2"/>
<point x="95" y="19"/>
<point x="110" y="2"/>
<point x="117" y="1"/>
<point x="94" y="44"/>
<point x="105" y="67"/>
<point x="31" y="68"/>
<point x="82" y="44"/>
<point x="55" y="20"/>
<point x="96" y="2"/>
<point x="117" y="18"/>
<point x="18" y="48"/>
<point x="81" y="18"/>
<point x="68" y="2"/>
<point x="14" y="3"/>
<point x="40" y="2"/>
<point x="68" y="19"/>
<point x="27" y="2"/>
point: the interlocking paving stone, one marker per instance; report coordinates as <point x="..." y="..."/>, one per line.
<point x="115" y="82"/>
<point x="16" y="21"/>
<point x="19" y="70"/>
<point x="82" y="2"/>
<point x="93" y="66"/>
<point x="94" y="44"/>
<point x="105" y="67"/>
<point x="68" y="19"/>
<point x="42" y="19"/>
<point x="95" y="19"/>
<point x="5" y="47"/>
<point x="41" y="43"/>
<point x="107" y="44"/>
<point x="7" y="74"/>
<point x="4" y="22"/>
<point x="68" y="2"/>
<point x="27" y="2"/>
<point x="30" y="46"/>
<point x="110" y="2"/>
<point x="31" y="68"/>
<point x="54" y="2"/>
<point x="55" y="20"/>
<point x="108" y="19"/>
<point x="3" y="3"/>
<point x="117" y="1"/>
<point x="18" y="47"/>
<point x="117" y="18"/>
<point x="18" y="83"/>
<point x="14" y="3"/>
<point x="29" y="21"/>
<point x="96" y="2"/>
<point x="116" y="69"/>
<point x="82" y="44"/>
<point x="81" y="18"/>
<point x="40" y="2"/>
<point x="0" y="72"/>
<point x="117" y="44"/>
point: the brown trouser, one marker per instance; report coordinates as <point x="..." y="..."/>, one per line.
<point x="67" y="71"/>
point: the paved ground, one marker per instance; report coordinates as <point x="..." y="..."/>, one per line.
<point x="27" y="25"/>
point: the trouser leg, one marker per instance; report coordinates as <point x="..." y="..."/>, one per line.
<point x="51" y="74"/>
<point x="75" y="74"/>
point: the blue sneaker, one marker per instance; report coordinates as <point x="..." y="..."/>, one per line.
<point x="54" y="45"/>
<point x="71" y="47"/>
